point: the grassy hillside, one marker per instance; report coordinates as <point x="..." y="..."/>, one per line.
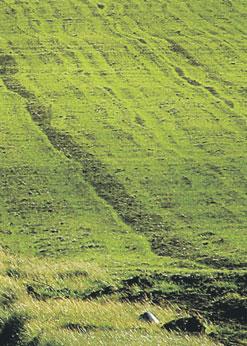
<point x="123" y="144"/>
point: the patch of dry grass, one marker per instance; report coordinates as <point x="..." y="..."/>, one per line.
<point x="94" y="322"/>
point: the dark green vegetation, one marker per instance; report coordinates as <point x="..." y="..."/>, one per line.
<point x="123" y="143"/>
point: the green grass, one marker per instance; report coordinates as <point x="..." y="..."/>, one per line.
<point x="174" y="146"/>
<point x="73" y="321"/>
<point x="123" y="140"/>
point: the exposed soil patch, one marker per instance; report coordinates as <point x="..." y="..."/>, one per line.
<point x="193" y="82"/>
<point x="44" y="292"/>
<point x="172" y="246"/>
<point x="8" y="65"/>
<point x="210" y="89"/>
<point x="186" y="324"/>
<point x="222" y="262"/>
<point x="177" y="48"/>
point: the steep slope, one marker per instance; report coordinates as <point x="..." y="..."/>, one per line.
<point x="46" y="207"/>
<point x="123" y="141"/>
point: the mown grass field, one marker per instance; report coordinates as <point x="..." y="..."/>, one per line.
<point x="123" y="145"/>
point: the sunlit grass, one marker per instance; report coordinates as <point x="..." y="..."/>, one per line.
<point x="105" y="321"/>
<point x="122" y="153"/>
